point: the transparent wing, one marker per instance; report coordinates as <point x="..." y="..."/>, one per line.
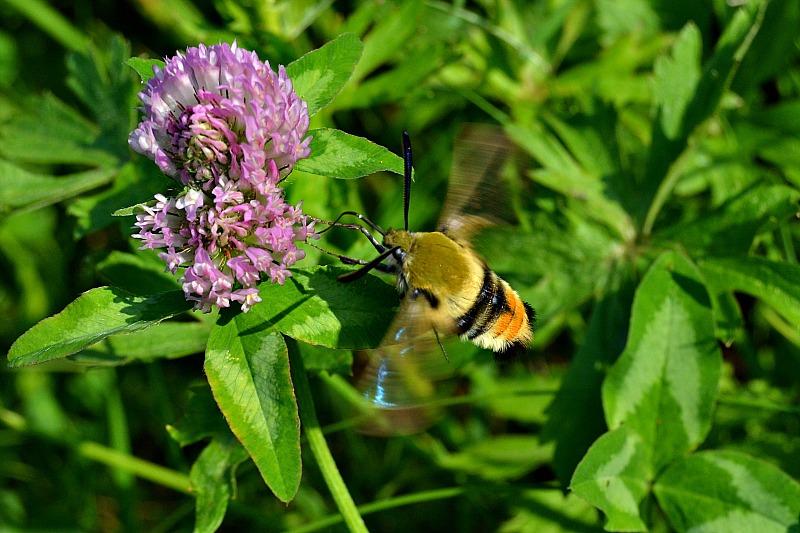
<point x="477" y="195"/>
<point x="400" y="378"/>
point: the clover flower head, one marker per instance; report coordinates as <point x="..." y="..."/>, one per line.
<point x="229" y="129"/>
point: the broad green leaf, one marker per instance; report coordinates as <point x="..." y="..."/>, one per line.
<point x="320" y="75"/>
<point x="201" y="419"/>
<point x="575" y="416"/>
<point x="52" y="132"/>
<point x="549" y="511"/>
<point x="213" y="482"/>
<point x="90" y="318"/>
<point x="731" y="228"/>
<point x="144" y="67"/>
<point x="615" y="476"/>
<point x="774" y="283"/>
<point x="20" y="189"/>
<point x="503" y="457"/>
<point x="718" y="491"/>
<point x="247" y="366"/>
<point x="337" y="154"/>
<point x="313" y="307"/>
<point x="664" y="384"/>
<point x="169" y="340"/>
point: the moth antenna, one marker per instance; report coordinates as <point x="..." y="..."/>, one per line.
<point x="336" y="224"/>
<point x="343" y="258"/>
<point x="407" y="168"/>
<point x="375" y="263"/>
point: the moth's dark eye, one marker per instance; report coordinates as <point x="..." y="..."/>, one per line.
<point x="399" y="255"/>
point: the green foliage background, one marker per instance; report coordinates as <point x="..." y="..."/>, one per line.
<point x="657" y="238"/>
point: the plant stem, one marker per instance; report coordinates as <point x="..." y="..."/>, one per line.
<point x="103" y="454"/>
<point x="318" y="444"/>
<point x="382" y="505"/>
<point x="138" y="467"/>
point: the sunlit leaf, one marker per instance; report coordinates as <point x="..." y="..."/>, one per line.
<point x="615" y="476"/>
<point x="337" y="154"/>
<point x="726" y="491"/>
<point x="686" y="100"/>
<point x="320" y="75"/>
<point x="93" y="316"/>
<point x="665" y="382"/>
<point x="167" y="341"/>
<point x="144" y="67"/>
<point x="731" y="228"/>
<point x="247" y="366"/>
<point x="773" y="282"/>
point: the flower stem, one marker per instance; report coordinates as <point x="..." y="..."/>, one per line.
<point x="319" y="447"/>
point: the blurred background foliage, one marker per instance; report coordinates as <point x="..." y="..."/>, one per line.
<point x="578" y="79"/>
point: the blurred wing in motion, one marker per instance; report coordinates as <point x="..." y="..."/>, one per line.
<point x="399" y="378"/>
<point x="477" y="195"/>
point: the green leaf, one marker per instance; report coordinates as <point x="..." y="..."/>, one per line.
<point x="684" y="106"/>
<point x="22" y="189"/>
<point x="53" y="132"/>
<point x="396" y="83"/>
<point x="390" y="32"/>
<point x="726" y="491"/>
<point x="337" y="154"/>
<point x="549" y="511"/>
<point x="317" y="358"/>
<point x="247" y="366"/>
<point x="144" y="67"/>
<point x="614" y="476"/>
<point x="664" y="384"/>
<point x="99" y="78"/>
<point x="731" y="228"/>
<point x="313" y="307"/>
<point x="564" y="174"/>
<point x="213" y="482"/>
<point x="774" y="283"/>
<point x="201" y="419"/>
<point x="93" y="316"/>
<point x="132" y="184"/>
<point x="575" y="417"/>
<point x="168" y="340"/>
<point x="676" y="77"/>
<point x="320" y="75"/>
<point x="503" y="457"/>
